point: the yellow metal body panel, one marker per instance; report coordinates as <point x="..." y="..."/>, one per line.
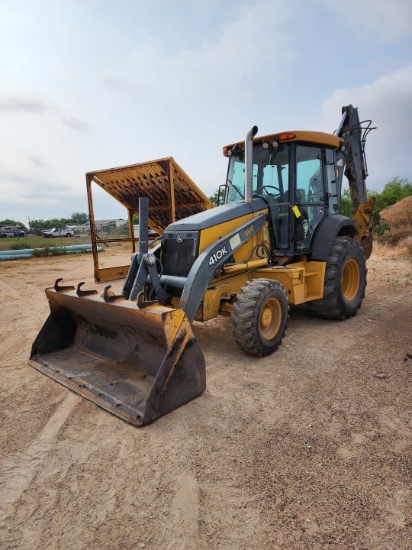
<point x="303" y="281"/>
<point x="212" y="234"/>
<point x="211" y="302"/>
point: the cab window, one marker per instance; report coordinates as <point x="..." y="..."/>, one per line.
<point x="331" y="181"/>
<point x="309" y="184"/>
<point x="270" y="174"/>
<point x="310" y="195"/>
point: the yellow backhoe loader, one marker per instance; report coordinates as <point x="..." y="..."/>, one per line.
<point x="278" y="238"/>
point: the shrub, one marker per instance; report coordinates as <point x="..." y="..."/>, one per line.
<point x="41" y="252"/>
<point x="19" y="246"/>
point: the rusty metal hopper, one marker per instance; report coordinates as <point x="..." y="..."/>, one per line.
<point x="172" y="194"/>
<point x="136" y="364"/>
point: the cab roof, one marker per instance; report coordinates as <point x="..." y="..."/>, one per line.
<point x="318" y="138"/>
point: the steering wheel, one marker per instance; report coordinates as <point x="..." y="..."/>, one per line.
<point x="271" y="187"/>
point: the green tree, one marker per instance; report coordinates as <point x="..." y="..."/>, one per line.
<point x="394" y="191"/>
<point x="48" y="224"/>
<point x="346" y="204"/>
<point x="13" y="223"/>
<point x="215" y="197"/>
<point x="78" y="218"/>
<point x="37" y="224"/>
<point x="59" y="222"/>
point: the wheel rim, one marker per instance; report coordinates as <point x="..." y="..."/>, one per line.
<point x="350" y="280"/>
<point x="270" y="319"/>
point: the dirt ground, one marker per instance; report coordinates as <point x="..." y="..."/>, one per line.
<point x="307" y="448"/>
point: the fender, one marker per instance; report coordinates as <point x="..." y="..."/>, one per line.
<point x="327" y="230"/>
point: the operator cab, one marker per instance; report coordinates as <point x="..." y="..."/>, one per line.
<point x="288" y="171"/>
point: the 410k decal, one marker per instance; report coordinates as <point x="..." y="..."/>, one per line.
<point x="217" y="256"/>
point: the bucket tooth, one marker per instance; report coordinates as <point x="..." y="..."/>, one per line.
<point x="81" y="292"/>
<point x="142" y="303"/>
<point x="57" y="287"/>
<point x="109" y="296"/>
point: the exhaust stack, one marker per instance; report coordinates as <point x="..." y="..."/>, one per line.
<point x="249" y="163"/>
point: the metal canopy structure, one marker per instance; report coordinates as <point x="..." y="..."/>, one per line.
<point x="172" y="196"/>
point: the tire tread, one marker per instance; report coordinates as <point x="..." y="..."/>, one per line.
<point x="245" y="317"/>
<point x="333" y="305"/>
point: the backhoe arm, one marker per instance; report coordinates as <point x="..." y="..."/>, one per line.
<point x="351" y="161"/>
<point x="352" y="154"/>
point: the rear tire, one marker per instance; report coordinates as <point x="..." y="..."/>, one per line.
<point x="345" y="281"/>
<point x="260" y="316"/>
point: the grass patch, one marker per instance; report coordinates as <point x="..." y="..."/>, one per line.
<point x="47" y="251"/>
<point x="400" y="249"/>
<point x="41" y="252"/>
<point x="36" y="241"/>
<point x="397" y="243"/>
<point x="18" y="246"/>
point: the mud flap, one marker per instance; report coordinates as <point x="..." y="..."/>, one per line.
<point x="136" y="364"/>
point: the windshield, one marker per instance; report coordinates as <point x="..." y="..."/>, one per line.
<point x="270" y="174"/>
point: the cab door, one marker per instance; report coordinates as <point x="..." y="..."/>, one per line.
<point x="310" y="194"/>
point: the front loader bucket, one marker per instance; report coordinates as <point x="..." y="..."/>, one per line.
<point x="136" y="363"/>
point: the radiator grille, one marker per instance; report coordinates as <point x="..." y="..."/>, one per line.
<point x="179" y="252"/>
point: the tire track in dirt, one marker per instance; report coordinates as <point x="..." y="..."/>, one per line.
<point x="19" y="331"/>
<point x="18" y="470"/>
<point x="185" y="511"/>
<point x="12" y="343"/>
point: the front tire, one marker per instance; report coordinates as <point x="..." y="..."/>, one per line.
<point x="260" y="316"/>
<point x="345" y="281"/>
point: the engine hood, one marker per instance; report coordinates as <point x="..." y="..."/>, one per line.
<point x="216" y="216"/>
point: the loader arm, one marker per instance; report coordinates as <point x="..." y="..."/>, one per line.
<point x="212" y="259"/>
<point x="143" y="272"/>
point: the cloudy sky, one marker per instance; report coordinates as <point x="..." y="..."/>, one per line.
<point x="92" y="84"/>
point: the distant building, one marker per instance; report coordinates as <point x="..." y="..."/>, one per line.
<point x="109" y="224"/>
<point x="152" y="234"/>
<point x="102" y="225"/>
